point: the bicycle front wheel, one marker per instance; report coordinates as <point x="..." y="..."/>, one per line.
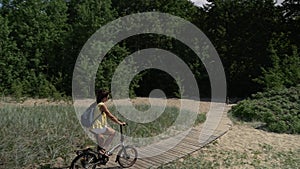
<point x="127" y="156"/>
<point x="84" y="161"/>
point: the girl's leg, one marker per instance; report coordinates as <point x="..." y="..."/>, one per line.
<point x="100" y="140"/>
<point x="111" y="134"/>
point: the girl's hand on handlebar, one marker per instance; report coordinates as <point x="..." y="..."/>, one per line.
<point x="123" y="124"/>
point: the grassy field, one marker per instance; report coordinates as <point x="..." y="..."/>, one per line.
<point x="40" y="136"/>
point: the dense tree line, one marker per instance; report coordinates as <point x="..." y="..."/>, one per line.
<point x="257" y="41"/>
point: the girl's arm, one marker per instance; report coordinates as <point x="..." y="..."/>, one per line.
<point x="111" y="116"/>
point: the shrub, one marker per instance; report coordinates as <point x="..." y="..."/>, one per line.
<point x="278" y="109"/>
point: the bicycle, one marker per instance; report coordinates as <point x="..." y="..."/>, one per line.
<point x="89" y="158"/>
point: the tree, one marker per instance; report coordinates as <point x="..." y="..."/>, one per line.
<point x="10" y="60"/>
<point x="284" y="71"/>
<point x="37" y="29"/>
<point x="86" y="17"/>
<point x="241" y="31"/>
<point x="181" y="8"/>
<point x="291" y="13"/>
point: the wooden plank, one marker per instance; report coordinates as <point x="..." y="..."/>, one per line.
<point x="146" y="162"/>
<point x="204" y="134"/>
<point x="138" y="166"/>
<point x="192" y="140"/>
<point x="159" y="159"/>
<point x="170" y="155"/>
<point x="149" y="151"/>
<point x="195" y="144"/>
<point x="142" y="167"/>
<point x="164" y="156"/>
<point x="178" y="145"/>
<point x="151" y="162"/>
<point x="184" y="148"/>
<point x="175" y="154"/>
<point x="185" y="144"/>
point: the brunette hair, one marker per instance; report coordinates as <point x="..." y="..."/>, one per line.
<point x="100" y="94"/>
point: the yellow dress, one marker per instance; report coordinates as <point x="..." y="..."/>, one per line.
<point x="101" y="121"/>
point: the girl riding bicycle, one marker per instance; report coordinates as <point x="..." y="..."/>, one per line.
<point x="100" y="128"/>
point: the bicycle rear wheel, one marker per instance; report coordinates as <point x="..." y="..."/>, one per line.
<point x="84" y="161"/>
<point x="127" y="156"/>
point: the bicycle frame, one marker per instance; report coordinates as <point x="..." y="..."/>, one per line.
<point x="121" y="144"/>
<point x="97" y="159"/>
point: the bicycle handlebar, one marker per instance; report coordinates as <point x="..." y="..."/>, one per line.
<point x="121" y="131"/>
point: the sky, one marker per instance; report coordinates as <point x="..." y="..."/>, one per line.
<point x="201" y="2"/>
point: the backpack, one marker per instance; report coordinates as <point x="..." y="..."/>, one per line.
<point x="87" y="118"/>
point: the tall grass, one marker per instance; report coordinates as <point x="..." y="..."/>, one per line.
<point x="169" y="118"/>
<point x="41" y="134"/>
<point x="38" y="134"/>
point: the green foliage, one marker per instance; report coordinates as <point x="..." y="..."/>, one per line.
<point x="17" y="89"/>
<point x="181" y="8"/>
<point x="240" y="32"/>
<point x="200" y="118"/>
<point x="40" y="41"/>
<point x="290" y="11"/>
<point x="278" y="109"/>
<point x="33" y="47"/>
<point x="10" y="60"/>
<point x="107" y="71"/>
<point x="285" y="70"/>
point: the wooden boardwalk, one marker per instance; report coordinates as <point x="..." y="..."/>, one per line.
<point x="189" y="144"/>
